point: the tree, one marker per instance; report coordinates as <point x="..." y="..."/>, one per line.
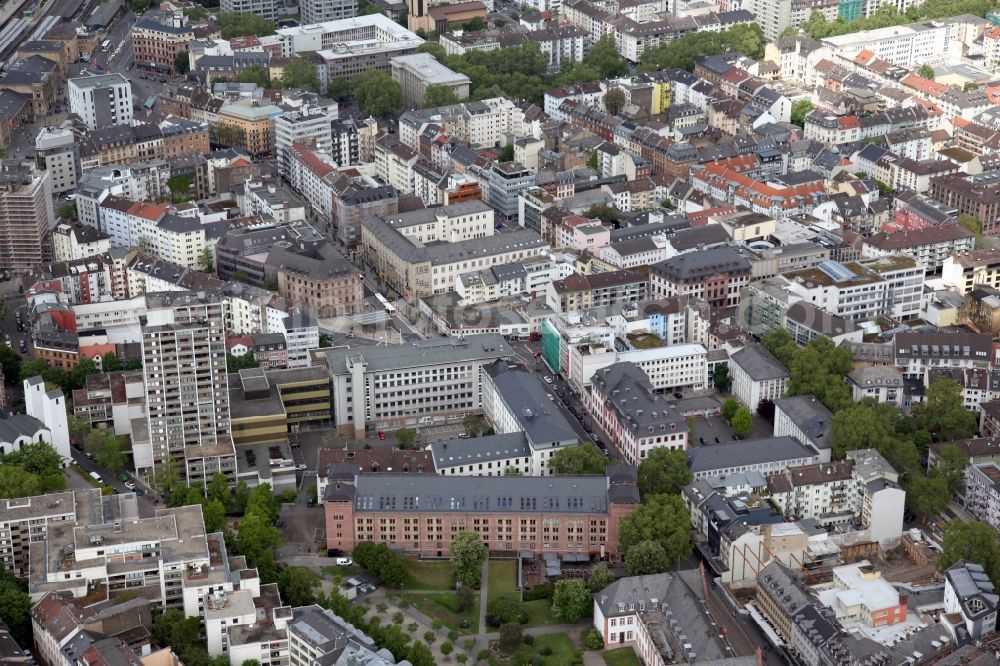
<point x="214" y="513"/>
<point x="78" y="375"/>
<point x="800" y="110"/>
<point x="943" y="411"/>
<point x="511" y="471"/>
<point x="420" y="655"/>
<point x="664" y="471"/>
<point x="721" y="378"/>
<point x="244" y="361"/>
<point x="951" y="466"/>
<point x="661" y="518"/>
<point x="571" y="600"/>
<point x="871" y="425"/>
<point x="257" y="74"/>
<point x="681" y="53"/>
<point x="465" y="598"/>
<point x="300" y="73"/>
<point x="468" y="554"/>
<point x="18" y="483"/>
<point x="261" y="502"/>
<point x="729" y="409"/>
<point x="780" y="343"/>
<point x="475" y="24"/>
<point x="742" y="420"/>
<point x="10" y="361"/>
<point x="605" y="59"/>
<point x="926" y="71"/>
<point x="405" y="437"/>
<point x="106" y="448"/>
<point x="206" y="261"/>
<point x="339" y="89"/>
<point x="818" y="369"/>
<point x="592" y="640"/>
<point x="646" y="557"/>
<point x="298" y="585"/>
<point x="378" y="94"/>
<point x="927" y="496"/>
<point x="602" y="212"/>
<point x="472" y="423"/>
<point x="972" y="223"/>
<point x="505" y="609"/>
<point x="257" y="539"/>
<point x="139" y="6"/>
<point x="600" y="577"/>
<point x="510" y="637"/>
<point x="974" y="541"/>
<point x="182" y="62"/>
<point x="439" y="94"/>
<point x="232" y="24"/>
<point x="67" y="211"/>
<point x="251" y="662"/>
<point x="110" y="362"/>
<point x="584" y="458"/>
<point x="40" y="367"/>
<point x="507" y="153"/>
<point x="167" y="476"/>
<point x="614" y="101"/>
<point x="218" y="489"/>
<point x="172" y="628"/>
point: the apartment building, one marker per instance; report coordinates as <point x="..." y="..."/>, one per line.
<point x="308" y="125"/>
<point x="881" y="383"/>
<point x="111" y="400"/>
<point x="57" y="152"/>
<point x="319" y="278"/>
<point x="807" y="420"/>
<point x="73" y="242"/>
<point x="249" y="125"/>
<point x="157" y="45"/>
<point x="716" y="276"/>
<point x="977" y="195"/>
<point x="266" y="9"/>
<point x="982" y="492"/>
<point x="582" y="292"/>
<point x="316" y="634"/>
<point x="184" y="363"/>
<point x="26" y="215"/>
<point x="860" y="594"/>
<point x="101" y="101"/>
<point x="636" y="420"/>
<point x="416" y="514"/>
<point x="440" y="379"/>
<point x="970" y="269"/>
<point x="929" y="246"/>
<point x="514" y="400"/>
<point x="489" y="455"/>
<point x="416" y="72"/>
<point x="765" y="456"/>
<point x="504" y="182"/>
<point x="245" y="251"/>
<point x="916" y="352"/>
<point x="969" y="594"/>
<point x="266" y="404"/>
<point x="757" y="375"/>
<point x="402" y="248"/>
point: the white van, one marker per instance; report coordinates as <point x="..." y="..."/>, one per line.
<point x="96" y="477"/>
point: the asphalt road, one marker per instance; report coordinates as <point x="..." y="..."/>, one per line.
<point x="148" y="503"/>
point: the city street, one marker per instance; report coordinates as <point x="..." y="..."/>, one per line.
<point x="148" y="503"/>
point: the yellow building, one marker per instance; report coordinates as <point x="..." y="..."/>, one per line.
<point x="265" y="403"/>
<point x="248" y="124"/>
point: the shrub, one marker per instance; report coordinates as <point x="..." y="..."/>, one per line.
<point x="429" y="637"/>
<point x="546" y="651"/>
<point x="511" y="637"/>
<point x="484" y="655"/>
<point x="436" y="624"/>
<point x="469" y="644"/>
<point x="446" y="648"/>
<point x="452" y="635"/>
<point x="539" y="592"/>
<point x="592" y="640"/>
<point x="381" y="608"/>
<point x="397" y="618"/>
<point x="529" y="639"/>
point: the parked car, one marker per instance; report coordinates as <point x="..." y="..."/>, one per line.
<point x="548" y="380"/>
<point x="463" y="435"/>
<point x="344" y="562"/>
<point x="311" y="501"/>
<point x="89" y="455"/>
<point x="130" y="485"/>
<point x="302" y="467"/>
<point x="381" y="434"/>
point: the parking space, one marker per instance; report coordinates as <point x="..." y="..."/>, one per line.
<point x="440" y="433"/>
<point x="705" y="431"/>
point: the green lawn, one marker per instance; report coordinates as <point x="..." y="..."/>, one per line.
<point x="559" y="649"/>
<point x="624" y="656"/>
<point x="430" y="575"/>
<point x="540" y="613"/>
<point x="501" y="578"/>
<point x="336" y="574"/>
<point x="441" y="606"/>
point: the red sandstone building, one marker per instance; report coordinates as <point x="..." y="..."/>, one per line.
<point x="417" y="513"/>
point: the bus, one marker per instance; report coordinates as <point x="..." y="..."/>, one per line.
<point x="105" y="45"/>
<point x="390" y="309"/>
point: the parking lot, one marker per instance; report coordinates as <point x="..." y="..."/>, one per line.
<point x="705" y="431"/>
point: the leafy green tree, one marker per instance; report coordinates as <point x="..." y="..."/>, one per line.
<point x="681" y="53"/>
<point x="729" y="409"/>
<point x="378" y="94"/>
<point x="298" y="586"/>
<point x="39" y="366"/>
<point x="801" y="109"/>
<point x="254" y="74"/>
<point x="646" y="557"/>
<point x="507" y="153"/>
<point x="571" y="601"/>
<point x="465" y="598"/>
<point x="927" y="496"/>
<point x="592" y="640"/>
<point x="818" y="369"/>
<point x="742" y="420"/>
<point x="182" y="62"/>
<point x="214" y="513"/>
<point x="943" y="411"/>
<point x="339" y="89"/>
<point x="139" y="6"/>
<point x="78" y="375"/>
<point x="602" y="212"/>
<point x="206" y="261"/>
<point x="472" y="423"/>
<point x="780" y="343"/>
<point x="584" y="458"/>
<point x="18" y="483"/>
<point x="257" y="539"/>
<point x="505" y="609"/>
<point x="232" y="24"/>
<point x="926" y="71"/>
<point x="973" y="541"/>
<point x="871" y="425"/>
<point x="110" y="362"/>
<point x="512" y="471"/>
<point x="218" y="489"/>
<point x="420" y="655"/>
<point x="439" y="94"/>
<point x="66" y="211"/>
<point x="972" y="223"/>
<point x="475" y="24"/>
<point x="405" y="437"/>
<point x="243" y="361"/>
<point x="107" y="448"/>
<point x="605" y="59"/>
<point x="664" y="471"/>
<point x="10" y="361"/>
<point x="468" y="554"/>
<point x="261" y="502"/>
<point x="664" y="519"/>
<point x="600" y="577"/>
<point x="614" y="101"/>
<point x="172" y="628"/>
<point x="251" y="662"/>
<point x="721" y="378"/>
<point x="300" y="73"/>
<point x="951" y="466"/>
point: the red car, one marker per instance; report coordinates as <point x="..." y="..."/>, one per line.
<point x="381" y="434"/>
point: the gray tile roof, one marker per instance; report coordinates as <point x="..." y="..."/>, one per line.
<point x="810" y="416"/>
<point x="423" y="352"/>
<point x="13" y="426"/>
<point x="753" y="452"/>
<point x="458" y="452"/>
<point x="695" y="266"/>
<point x="541" y="419"/>
<point x="470" y="494"/>
<point x="759" y="363"/>
<point x="627" y="387"/>
<point x="970" y="581"/>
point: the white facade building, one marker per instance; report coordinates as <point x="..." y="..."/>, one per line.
<point x="101" y="101"/>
